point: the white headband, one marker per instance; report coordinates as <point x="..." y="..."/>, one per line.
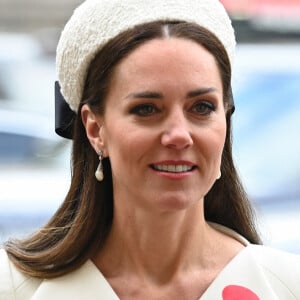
<point x="96" y="21"/>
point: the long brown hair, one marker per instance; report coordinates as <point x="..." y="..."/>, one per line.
<point x="80" y="226"/>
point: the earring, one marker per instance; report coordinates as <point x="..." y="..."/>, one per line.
<point x="219" y="175"/>
<point x="99" y="172"/>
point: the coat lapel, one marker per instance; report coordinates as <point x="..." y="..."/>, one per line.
<point x="85" y="283"/>
<point x="243" y="278"/>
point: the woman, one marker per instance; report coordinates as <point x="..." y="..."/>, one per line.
<point x="164" y="216"/>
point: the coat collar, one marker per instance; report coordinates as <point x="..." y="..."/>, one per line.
<point x="243" y="276"/>
<point x="87" y="282"/>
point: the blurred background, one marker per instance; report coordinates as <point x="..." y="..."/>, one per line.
<point x="35" y="163"/>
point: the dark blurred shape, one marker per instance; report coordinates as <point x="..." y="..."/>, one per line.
<point x="26" y="138"/>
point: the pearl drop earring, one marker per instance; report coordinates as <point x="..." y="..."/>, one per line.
<point x="99" y="172"/>
<point x="219" y="175"/>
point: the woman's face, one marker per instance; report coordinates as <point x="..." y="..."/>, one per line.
<point x="164" y="125"/>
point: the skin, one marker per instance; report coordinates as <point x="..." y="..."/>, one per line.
<point x="164" y="107"/>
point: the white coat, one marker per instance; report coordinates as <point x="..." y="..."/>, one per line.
<point x="256" y="272"/>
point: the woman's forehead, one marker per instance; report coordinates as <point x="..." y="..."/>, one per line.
<point x="162" y="53"/>
<point x="166" y="66"/>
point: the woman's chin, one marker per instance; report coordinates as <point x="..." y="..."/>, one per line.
<point x="173" y="203"/>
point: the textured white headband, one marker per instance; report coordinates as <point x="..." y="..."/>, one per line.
<point x="96" y="21"/>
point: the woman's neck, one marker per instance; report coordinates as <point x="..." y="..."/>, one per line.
<point x="159" y="246"/>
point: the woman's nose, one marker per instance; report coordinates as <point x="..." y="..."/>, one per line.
<point x="176" y="134"/>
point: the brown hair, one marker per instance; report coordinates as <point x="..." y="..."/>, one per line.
<point x="80" y="226"/>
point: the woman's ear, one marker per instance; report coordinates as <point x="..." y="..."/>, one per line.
<point x="93" y="126"/>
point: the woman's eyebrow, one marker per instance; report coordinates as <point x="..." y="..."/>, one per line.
<point x="145" y="95"/>
<point x="201" y="91"/>
<point x="157" y="95"/>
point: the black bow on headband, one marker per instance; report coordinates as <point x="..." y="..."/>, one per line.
<point x="64" y="116"/>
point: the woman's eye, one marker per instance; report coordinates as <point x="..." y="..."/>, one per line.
<point x="203" y="108"/>
<point x="144" y="110"/>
